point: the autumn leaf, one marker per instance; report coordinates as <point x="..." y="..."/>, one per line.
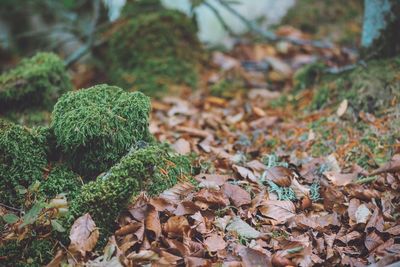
<point x="279" y="211"/>
<point x="214" y="242"/>
<point x="236" y="194"/>
<point x="84" y="235"/>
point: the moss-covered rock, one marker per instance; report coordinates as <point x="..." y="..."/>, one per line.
<point x="153" y="168"/>
<point x="37" y="81"/>
<point x="372" y="88"/>
<point x="154" y="50"/>
<point x="22" y="160"/>
<point x="95" y="127"/>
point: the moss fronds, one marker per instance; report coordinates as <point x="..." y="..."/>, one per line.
<point x="60" y="180"/>
<point x="95" y="127"/>
<point x="36" y="81"/>
<point x="22" y="160"/>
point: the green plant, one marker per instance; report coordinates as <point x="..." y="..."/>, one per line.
<point x="22" y="161"/>
<point x="36" y="81"/>
<point x="283" y="193"/>
<point x="95" y="127"/>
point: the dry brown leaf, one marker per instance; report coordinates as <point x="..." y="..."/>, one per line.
<point x="176" y="226"/>
<point x="84" y="235"/>
<point x="214" y="242"/>
<point x="212" y="197"/>
<point x="372" y="241"/>
<point x="244" y="173"/>
<point x="182" y="146"/>
<point x="152" y="223"/>
<point x="218" y="179"/>
<point x="375" y="221"/>
<point x="236" y="194"/>
<point x="279" y="175"/>
<point x="342" y="108"/>
<point x="362" y="214"/>
<point x="340" y="179"/>
<point x="280" y="211"/>
<point x="177" y="192"/>
<point x="251" y="257"/>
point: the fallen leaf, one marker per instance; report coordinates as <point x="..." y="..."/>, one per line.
<point x="372" y="241"/>
<point x="242" y="228"/>
<point x="279" y="175"/>
<point x="214" y="242"/>
<point x="212" y="197"/>
<point x="176" y="226"/>
<point x="182" y="146"/>
<point x="342" y="108"/>
<point x="244" y="173"/>
<point x="280" y="211"/>
<point x="84" y="235"/>
<point x="236" y="194"/>
<point x="251" y="257"/>
<point x="340" y="179"/>
<point x="152" y="223"/>
<point x="362" y="214"/>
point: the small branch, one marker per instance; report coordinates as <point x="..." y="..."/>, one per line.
<point x="271" y="36"/>
<point x="91" y="36"/>
<point x="219" y="17"/>
<point x="10" y="208"/>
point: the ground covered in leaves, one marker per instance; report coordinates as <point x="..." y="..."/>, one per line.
<point x="291" y="169"/>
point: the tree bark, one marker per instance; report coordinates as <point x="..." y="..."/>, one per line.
<point x="381" y="28"/>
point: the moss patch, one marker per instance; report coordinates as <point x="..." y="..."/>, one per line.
<point x="37" y="81"/>
<point x="22" y="161"/>
<point x="30" y="253"/>
<point x="95" y="127"/>
<point x="153" y="51"/>
<point x="153" y="168"/>
<point x="374" y="88"/>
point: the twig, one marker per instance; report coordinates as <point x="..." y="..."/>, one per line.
<point x="366" y="180"/>
<point x="91" y="36"/>
<point x="219" y="17"/>
<point x="9" y="207"/>
<point x="271" y="36"/>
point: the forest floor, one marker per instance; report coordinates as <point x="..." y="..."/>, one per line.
<point x="334" y="167"/>
<point x="295" y="167"/>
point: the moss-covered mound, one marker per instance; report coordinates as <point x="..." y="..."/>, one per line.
<point x="95" y="127"/>
<point x="153" y="168"/>
<point x="373" y="87"/>
<point x="37" y="81"/>
<point x="22" y="161"/>
<point x="153" y="51"/>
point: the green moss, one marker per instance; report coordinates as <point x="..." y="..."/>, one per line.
<point x="139" y="7"/>
<point x="37" y="81"/>
<point x="95" y="127"/>
<point x="29" y="117"/>
<point x="373" y="87"/>
<point x="30" y="253"/>
<point x="320" y="98"/>
<point x="60" y="180"/>
<point x="22" y="160"/>
<point x="154" y="51"/>
<point x="307" y="76"/>
<point x="153" y="168"/>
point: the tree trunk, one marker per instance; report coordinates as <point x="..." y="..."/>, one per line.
<point x="381" y="28"/>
